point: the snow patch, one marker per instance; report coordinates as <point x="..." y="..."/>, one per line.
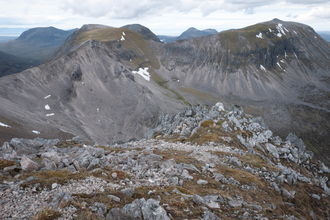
<point x="36" y="132"/>
<point x="285" y="54"/>
<point x="82" y="83"/>
<point x="143" y="72"/>
<point x="315" y="37"/>
<point x="124" y="33"/>
<point x="270" y="30"/>
<point x="259" y="35"/>
<point x="295" y="55"/>
<point x="281" y="30"/>
<point x="295" y="32"/>
<point x="262" y="67"/>
<point x="47" y="107"/>
<point x="46" y="97"/>
<point x="122" y="38"/>
<point x="51" y="114"/>
<point x="98" y="110"/>
<point x="282" y="61"/>
<point x="4" y="125"/>
<point x="278" y="64"/>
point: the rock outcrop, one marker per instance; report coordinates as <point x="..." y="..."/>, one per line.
<point x="171" y="176"/>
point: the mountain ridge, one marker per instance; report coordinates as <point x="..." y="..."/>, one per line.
<point x="278" y="69"/>
<point x="189" y="33"/>
<point x="36" y="44"/>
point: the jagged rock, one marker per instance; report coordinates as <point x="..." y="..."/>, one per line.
<point x="84" y="159"/>
<point x="220" y="177"/>
<point x="28" y="164"/>
<point x="52" y="155"/>
<point x="95" y="151"/>
<point x="198" y="200"/>
<point x="264" y="136"/>
<point x="235" y="162"/>
<point x="95" y="163"/>
<point x="225" y="127"/>
<point x="210" y="216"/>
<point x="249" y="169"/>
<point x="99" y="208"/>
<point x="25" y="146"/>
<point x="275" y="187"/>
<point x="272" y="149"/>
<point x="115" y="198"/>
<point x="151" y="210"/>
<point x="60" y="198"/>
<point x="133" y="210"/>
<point x="213" y="205"/>
<point x="128" y="191"/>
<point x="185" y="175"/>
<point x="289" y="195"/>
<point x="78" y="139"/>
<point x="49" y="164"/>
<point x="303" y="179"/>
<point x="234" y="182"/>
<point x="76" y="165"/>
<point x="324" y="168"/>
<point x="115" y="214"/>
<point x="6" y="148"/>
<point x="296" y="142"/>
<point x="234" y="204"/>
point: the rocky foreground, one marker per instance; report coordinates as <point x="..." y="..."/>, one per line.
<point x="198" y="164"/>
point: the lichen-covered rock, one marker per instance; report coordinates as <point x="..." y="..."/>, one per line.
<point x="151" y="210"/>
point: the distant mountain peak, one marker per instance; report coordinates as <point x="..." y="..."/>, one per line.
<point x="144" y="31"/>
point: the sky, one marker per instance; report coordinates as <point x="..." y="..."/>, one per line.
<point x="163" y="17"/>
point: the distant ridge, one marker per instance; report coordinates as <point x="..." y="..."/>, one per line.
<point x="144" y="31"/>
<point x="10" y="64"/>
<point x="36" y="44"/>
<point x="189" y="33"/>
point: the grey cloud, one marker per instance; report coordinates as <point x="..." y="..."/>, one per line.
<point x="126" y="9"/>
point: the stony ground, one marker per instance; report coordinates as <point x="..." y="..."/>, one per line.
<point x="199" y="164"/>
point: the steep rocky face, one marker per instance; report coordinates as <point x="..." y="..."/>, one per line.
<point x="85" y="92"/>
<point x="279" y="69"/>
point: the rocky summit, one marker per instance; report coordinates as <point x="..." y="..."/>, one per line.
<point x="202" y="163"/>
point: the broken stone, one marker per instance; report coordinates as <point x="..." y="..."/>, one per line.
<point x="28" y="164"/>
<point x="202" y="182"/>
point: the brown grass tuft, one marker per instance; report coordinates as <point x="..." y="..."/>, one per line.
<point x="47" y="214"/>
<point x="6" y="163"/>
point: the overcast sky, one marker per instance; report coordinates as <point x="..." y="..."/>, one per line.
<point x="167" y="17"/>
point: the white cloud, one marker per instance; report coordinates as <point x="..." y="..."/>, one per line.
<point x="169" y="17"/>
<point x="124" y="9"/>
